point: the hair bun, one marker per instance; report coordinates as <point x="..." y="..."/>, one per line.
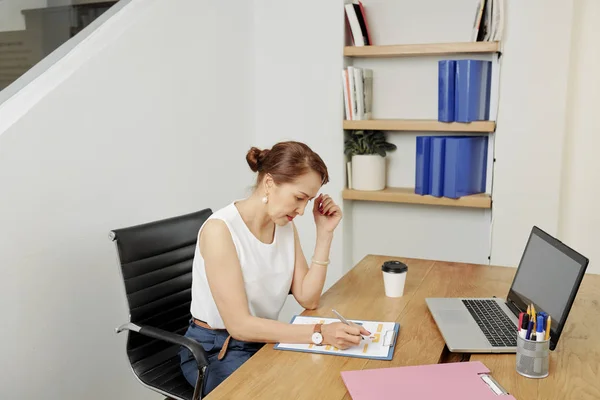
<point x="255" y="158"/>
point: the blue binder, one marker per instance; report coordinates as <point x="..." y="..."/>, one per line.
<point x="422" y="182"/>
<point x="472" y="90"/>
<point x="465" y="166"/>
<point x="436" y="172"/>
<point x="446" y="80"/>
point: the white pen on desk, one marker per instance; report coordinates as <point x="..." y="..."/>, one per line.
<point x="345" y="321"/>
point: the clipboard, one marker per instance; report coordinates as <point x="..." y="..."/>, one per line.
<point x="452" y="381"/>
<point x="379" y="346"/>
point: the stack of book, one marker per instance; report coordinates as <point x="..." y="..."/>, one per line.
<point x="358" y="93"/>
<point x="451" y="166"/>
<point x="464" y="90"/>
<point x="489" y="21"/>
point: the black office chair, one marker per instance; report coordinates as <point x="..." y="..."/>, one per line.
<point x="156" y="263"/>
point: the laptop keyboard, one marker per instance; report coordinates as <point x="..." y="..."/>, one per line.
<point x="499" y="330"/>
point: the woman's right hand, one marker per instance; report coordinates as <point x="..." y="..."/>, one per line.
<point x="343" y="336"/>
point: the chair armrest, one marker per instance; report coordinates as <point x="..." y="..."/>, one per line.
<point x="194" y="347"/>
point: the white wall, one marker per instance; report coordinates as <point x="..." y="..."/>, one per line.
<point x="146" y="119"/>
<point x="11" y="18"/>
<point x="531" y="124"/>
<point x="297" y="97"/>
<point x="580" y="217"/>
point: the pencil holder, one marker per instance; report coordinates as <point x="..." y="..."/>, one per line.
<point x="533" y="358"/>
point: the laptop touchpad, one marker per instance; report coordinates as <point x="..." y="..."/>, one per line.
<point x="460" y="317"/>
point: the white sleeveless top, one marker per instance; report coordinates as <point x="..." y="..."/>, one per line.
<point x="267" y="270"/>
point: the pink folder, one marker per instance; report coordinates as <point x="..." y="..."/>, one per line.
<point x="452" y="381"/>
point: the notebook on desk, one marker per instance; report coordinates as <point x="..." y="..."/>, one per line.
<point x="452" y="381"/>
<point x="380" y="346"/>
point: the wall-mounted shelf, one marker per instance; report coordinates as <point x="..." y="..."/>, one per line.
<point x="407" y="50"/>
<point x="407" y="195"/>
<point x="419" y="125"/>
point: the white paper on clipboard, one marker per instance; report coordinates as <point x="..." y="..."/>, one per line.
<point x="376" y="346"/>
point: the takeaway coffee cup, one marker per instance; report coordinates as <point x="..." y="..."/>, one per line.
<point x="394" y="277"/>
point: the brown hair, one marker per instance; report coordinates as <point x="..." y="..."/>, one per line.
<point x="286" y="161"/>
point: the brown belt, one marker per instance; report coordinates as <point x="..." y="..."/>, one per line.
<point x="205" y="325"/>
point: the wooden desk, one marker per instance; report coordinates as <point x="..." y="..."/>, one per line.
<point x="276" y="374"/>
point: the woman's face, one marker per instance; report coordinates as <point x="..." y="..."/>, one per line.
<point x="288" y="200"/>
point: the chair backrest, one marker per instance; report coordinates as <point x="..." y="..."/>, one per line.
<point x="156" y="262"/>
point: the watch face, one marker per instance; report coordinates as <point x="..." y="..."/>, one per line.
<point x="317" y="338"/>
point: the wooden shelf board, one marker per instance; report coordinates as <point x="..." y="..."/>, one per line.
<point x="405" y="50"/>
<point x="418" y="125"/>
<point x="407" y="195"/>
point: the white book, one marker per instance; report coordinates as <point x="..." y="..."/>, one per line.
<point x="478" y="18"/>
<point x="346" y="89"/>
<point x="352" y="88"/>
<point x="354" y="25"/>
<point x="498" y="20"/>
<point x="367" y="74"/>
<point x="487" y="24"/>
<point x="360" y="97"/>
<point x="492" y="31"/>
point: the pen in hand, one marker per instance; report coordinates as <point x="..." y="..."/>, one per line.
<point x="345" y="321"/>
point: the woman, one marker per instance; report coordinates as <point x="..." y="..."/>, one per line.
<point x="249" y="258"/>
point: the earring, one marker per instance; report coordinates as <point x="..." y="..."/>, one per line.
<point x="265" y="199"/>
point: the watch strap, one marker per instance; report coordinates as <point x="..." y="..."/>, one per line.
<point x="317" y="328"/>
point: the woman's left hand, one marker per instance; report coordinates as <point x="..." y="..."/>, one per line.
<point x="327" y="214"/>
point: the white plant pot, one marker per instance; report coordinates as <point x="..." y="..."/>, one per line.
<point x="368" y="172"/>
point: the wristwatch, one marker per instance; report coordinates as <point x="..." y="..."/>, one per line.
<point x="317" y="337"/>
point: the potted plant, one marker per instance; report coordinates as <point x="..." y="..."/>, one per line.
<point x="367" y="151"/>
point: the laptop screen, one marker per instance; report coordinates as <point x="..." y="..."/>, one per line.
<point x="548" y="276"/>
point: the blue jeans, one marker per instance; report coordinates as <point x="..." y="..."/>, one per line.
<point x="218" y="370"/>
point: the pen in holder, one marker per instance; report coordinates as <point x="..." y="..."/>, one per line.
<point x="533" y="357"/>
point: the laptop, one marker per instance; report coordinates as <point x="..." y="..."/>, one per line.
<point x="548" y="276"/>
